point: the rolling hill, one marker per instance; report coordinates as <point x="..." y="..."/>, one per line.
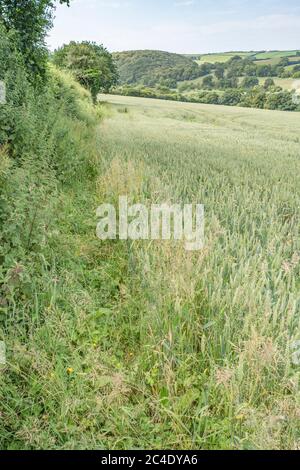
<point x="149" y="67"/>
<point x="251" y="79"/>
<point x="158" y="68"/>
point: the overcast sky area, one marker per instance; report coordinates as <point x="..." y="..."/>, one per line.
<point x="184" y="26"/>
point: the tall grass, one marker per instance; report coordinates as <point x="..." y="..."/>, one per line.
<point x="118" y="345"/>
<point x="211" y="332"/>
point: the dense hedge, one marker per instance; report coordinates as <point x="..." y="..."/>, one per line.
<point x="257" y="97"/>
<point x="43" y="146"/>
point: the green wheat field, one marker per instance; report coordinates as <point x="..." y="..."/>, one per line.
<point x="210" y="333"/>
<point x="147" y="345"/>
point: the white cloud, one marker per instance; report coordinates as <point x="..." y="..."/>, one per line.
<point x="185" y="3"/>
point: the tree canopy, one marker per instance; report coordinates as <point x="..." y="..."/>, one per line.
<point x="147" y="67"/>
<point x="31" y="20"/>
<point x="91" y="64"/>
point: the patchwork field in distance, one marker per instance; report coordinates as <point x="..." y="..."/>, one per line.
<point x="285" y="83"/>
<point x="222" y="57"/>
<point x="263" y="57"/>
<point x="210" y="333"/>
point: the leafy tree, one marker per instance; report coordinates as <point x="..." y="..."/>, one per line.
<point x="168" y="82"/>
<point x="269" y="83"/>
<point x="227" y="83"/>
<point x="150" y="67"/>
<point x="212" y="98"/>
<point x="231" y="97"/>
<point x="219" y="72"/>
<point x="250" y="70"/>
<point x="283" y="101"/>
<point x="286" y="74"/>
<point x="91" y="64"/>
<point x="263" y="70"/>
<point x="249" y="82"/>
<point x="274" y="70"/>
<point x="254" y="98"/>
<point x="208" y="97"/>
<point x="284" y="61"/>
<point x="31" y="19"/>
<point x="208" y="82"/>
<point x="205" y="69"/>
<point x="236" y="58"/>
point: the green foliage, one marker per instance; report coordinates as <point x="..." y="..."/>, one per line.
<point x="224" y="83"/>
<point x="254" y="98"/>
<point x="18" y="91"/>
<point x="43" y="145"/>
<point x="249" y="82"/>
<point x="122" y="345"/>
<point x="282" y="100"/>
<point x="163" y="93"/>
<point x="91" y="64"/>
<point x="257" y="97"/>
<point x="208" y="82"/>
<point x="264" y="71"/>
<point x="202" y="340"/>
<point x="238" y="71"/>
<point x="269" y="83"/>
<point x="219" y="71"/>
<point x="210" y="97"/>
<point x="284" y="61"/>
<point x="231" y="98"/>
<point x="285" y="72"/>
<point x="30" y="20"/>
<point x="150" y="67"/>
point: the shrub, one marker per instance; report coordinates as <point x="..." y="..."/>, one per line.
<point x="212" y="98"/>
<point x="44" y="143"/>
<point x="283" y="101"/>
<point x="208" y="82"/>
<point x="269" y="83"/>
<point x="91" y="64"/>
<point x="231" y="98"/>
<point x="249" y="82"/>
<point x="208" y="97"/>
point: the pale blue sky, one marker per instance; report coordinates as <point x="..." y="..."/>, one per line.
<point x="184" y="26"/>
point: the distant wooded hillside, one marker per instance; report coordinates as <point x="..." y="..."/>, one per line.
<point x="155" y="67"/>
